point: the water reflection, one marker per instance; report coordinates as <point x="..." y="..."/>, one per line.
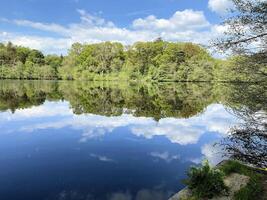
<point x="110" y="99"/>
<point x="57" y="115"/>
<point x="84" y="140"/>
<point x="248" y="141"/>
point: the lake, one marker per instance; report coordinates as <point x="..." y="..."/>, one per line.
<point x="71" y="140"/>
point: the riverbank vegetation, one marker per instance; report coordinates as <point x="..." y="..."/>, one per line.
<point x="18" y="62"/>
<point x="205" y="182"/>
<point x="149" y="61"/>
<point x="254" y="188"/>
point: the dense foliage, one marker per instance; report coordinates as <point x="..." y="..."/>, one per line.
<point x="158" y="60"/>
<point x="23" y="63"/>
<point x="153" y="61"/>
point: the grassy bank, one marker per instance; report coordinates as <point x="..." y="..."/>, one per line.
<point x="255" y="187"/>
<point x="206" y="182"/>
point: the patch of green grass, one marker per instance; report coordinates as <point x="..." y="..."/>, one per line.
<point x="253" y="189"/>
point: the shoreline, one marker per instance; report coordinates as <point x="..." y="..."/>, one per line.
<point x="238" y="179"/>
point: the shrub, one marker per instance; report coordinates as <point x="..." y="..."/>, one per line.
<point x="206" y="182"/>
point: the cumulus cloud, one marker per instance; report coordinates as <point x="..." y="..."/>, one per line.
<point x="58" y="115"/>
<point x="180" y="131"/>
<point x="175" y="130"/>
<point x="213" y="153"/>
<point x="46" y="44"/>
<point x="50" y="109"/>
<point x="92" y="20"/>
<point x="220" y="6"/>
<point x="181" y="20"/>
<point x="188" y="131"/>
<point x="166" y="156"/>
<point x="186" y="25"/>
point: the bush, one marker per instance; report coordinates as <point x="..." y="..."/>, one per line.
<point x="206" y="182"/>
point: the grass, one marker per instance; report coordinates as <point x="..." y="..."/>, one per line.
<point x="253" y="189"/>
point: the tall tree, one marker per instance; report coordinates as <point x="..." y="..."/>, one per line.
<point x="246" y="27"/>
<point x="246" y="36"/>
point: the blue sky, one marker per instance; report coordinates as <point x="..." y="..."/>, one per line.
<point x="52" y="26"/>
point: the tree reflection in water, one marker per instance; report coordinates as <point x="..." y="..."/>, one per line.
<point x="246" y="142"/>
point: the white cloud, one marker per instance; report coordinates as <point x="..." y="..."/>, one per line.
<point x="180" y="131"/>
<point x="220" y="6"/>
<point x="50" y="109"/>
<point x="101" y="158"/>
<point x="180" y="21"/>
<point x="47" y="44"/>
<point x="166" y="156"/>
<point x="188" y="131"/>
<point x="41" y="26"/>
<point x="91" y="20"/>
<point x="121" y="196"/>
<point x="175" y="130"/>
<point x="3" y="34"/>
<point x="186" y="25"/>
<point x="58" y="115"/>
<point x="213" y="153"/>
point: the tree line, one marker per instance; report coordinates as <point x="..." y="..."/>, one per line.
<point x="18" y="62"/>
<point x="157" y="61"/>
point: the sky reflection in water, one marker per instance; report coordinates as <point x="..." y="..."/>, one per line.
<point x="47" y="152"/>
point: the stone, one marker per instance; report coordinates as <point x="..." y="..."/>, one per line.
<point x="182" y="195"/>
<point x="234" y="182"/>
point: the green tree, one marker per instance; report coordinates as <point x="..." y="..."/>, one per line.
<point x="246" y="36"/>
<point x="36" y="57"/>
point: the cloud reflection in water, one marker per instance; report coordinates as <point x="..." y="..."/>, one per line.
<point x="181" y="131"/>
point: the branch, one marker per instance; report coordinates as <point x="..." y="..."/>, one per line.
<point x="247" y="39"/>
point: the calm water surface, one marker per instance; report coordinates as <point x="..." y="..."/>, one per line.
<point x="87" y="141"/>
